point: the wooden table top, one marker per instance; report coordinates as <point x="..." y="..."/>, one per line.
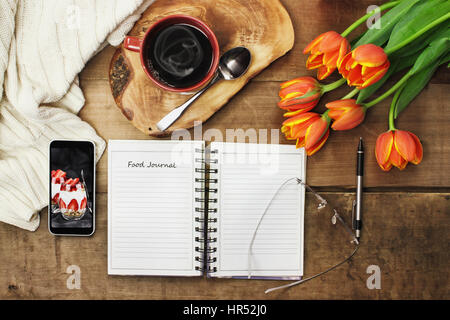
<point x="407" y="213"/>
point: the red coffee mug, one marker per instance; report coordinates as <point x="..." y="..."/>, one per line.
<point x="139" y="45"/>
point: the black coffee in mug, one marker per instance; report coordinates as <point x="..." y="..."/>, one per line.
<point x="179" y="55"/>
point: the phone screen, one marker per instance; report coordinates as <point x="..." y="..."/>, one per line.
<point x="72" y="182"/>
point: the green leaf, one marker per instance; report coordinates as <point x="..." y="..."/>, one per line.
<point x="432" y="53"/>
<point x="415" y="85"/>
<point x="388" y="22"/>
<point x="445" y="59"/>
<point x="416" y="10"/>
<point x="440" y="31"/>
<point x="421" y="16"/>
<point x="407" y="62"/>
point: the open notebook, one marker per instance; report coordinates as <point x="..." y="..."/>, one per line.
<point x="177" y="209"/>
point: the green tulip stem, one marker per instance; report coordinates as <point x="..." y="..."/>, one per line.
<point x="351" y="94"/>
<point x="391" y="118"/>
<point x="392" y="111"/>
<point x="326" y="116"/>
<point x="389" y="92"/>
<point x="363" y="19"/>
<point x="418" y="34"/>
<point x="332" y="86"/>
<point x="393" y="108"/>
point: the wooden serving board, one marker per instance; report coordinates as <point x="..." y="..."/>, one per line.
<point x="263" y="26"/>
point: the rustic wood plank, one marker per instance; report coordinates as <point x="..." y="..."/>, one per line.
<point x="255" y="108"/>
<point x="405" y="234"/>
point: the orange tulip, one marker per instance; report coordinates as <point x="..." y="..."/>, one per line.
<point x="310" y="129"/>
<point x="397" y="148"/>
<point x="364" y="66"/>
<point x="326" y="51"/>
<point x="299" y="95"/>
<point x="346" y="114"/>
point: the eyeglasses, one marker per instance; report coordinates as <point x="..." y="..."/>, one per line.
<point x="336" y="219"/>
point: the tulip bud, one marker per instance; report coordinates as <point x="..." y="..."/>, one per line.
<point x="299" y="95"/>
<point x="310" y="129"/>
<point x="325" y="53"/>
<point x="364" y="66"/>
<point x="346" y="114"/>
<point x="397" y="148"/>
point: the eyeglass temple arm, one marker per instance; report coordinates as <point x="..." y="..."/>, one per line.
<point x="322" y="201"/>
<point x="337" y="216"/>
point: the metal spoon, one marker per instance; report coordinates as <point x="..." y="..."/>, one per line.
<point x="233" y="64"/>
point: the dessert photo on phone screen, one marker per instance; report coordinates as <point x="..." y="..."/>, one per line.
<point x="71" y="188"/>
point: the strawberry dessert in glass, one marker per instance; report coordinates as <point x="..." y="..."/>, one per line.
<point x="72" y="199"/>
<point x="58" y="178"/>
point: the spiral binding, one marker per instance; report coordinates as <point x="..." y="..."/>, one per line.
<point x="211" y="213"/>
<point x="205" y="223"/>
<point x="200" y="210"/>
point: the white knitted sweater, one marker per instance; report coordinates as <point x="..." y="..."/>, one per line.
<point x="44" y="44"/>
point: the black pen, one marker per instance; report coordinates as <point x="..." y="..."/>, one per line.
<point x="359" y="188"/>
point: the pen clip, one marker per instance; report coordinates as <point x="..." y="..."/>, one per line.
<point x="353" y="214"/>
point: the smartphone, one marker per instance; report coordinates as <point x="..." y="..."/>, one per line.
<point x="71" y="209"/>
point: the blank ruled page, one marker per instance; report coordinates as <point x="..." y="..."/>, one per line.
<point x="248" y="177"/>
<point x="151" y="207"/>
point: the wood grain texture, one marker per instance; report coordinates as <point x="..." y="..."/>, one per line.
<point x="255" y="109"/>
<point x="263" y="26"/>
<point x="406" y="235"/>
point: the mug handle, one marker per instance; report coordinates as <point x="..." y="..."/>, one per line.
<point x="133" y="43"/>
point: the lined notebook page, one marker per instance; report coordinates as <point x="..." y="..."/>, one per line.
<point x="151" y="207"/>
<point x="248" y="177"/>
